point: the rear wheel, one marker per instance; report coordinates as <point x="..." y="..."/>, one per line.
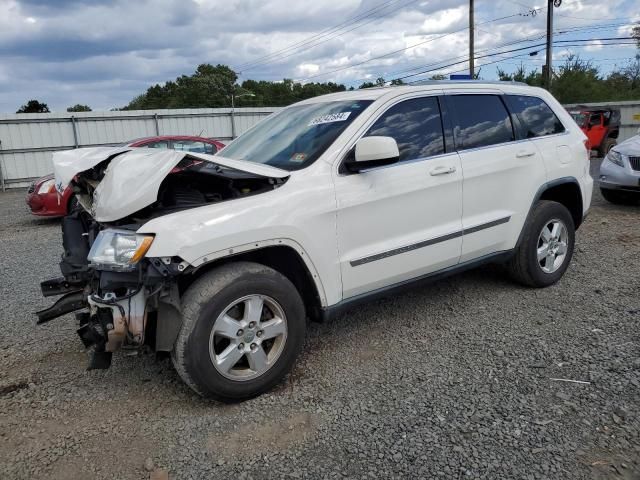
<point x="243" y="327"/>
<point x="546" y="248"/>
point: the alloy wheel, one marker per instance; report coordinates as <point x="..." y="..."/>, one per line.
<point x="248" y="337"/>
<point x="552" y="246"/>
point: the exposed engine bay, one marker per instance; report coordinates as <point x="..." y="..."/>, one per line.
<point x="123" y="299"/>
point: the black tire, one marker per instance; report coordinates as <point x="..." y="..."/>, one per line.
<point x="618" y="197"/>
<point x="524" y="265"/>
<point x="606" y="145"/>
<point x="205" y="300"/>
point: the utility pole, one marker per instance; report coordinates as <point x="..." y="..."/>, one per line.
<point x="547" y="70"/>
<point x="471" y="49"/>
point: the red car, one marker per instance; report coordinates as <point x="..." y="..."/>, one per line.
<point x="43" y="200"/>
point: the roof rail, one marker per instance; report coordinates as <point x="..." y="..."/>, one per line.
<point x="490" y="82"/>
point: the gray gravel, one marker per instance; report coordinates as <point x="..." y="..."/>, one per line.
<point x="451" y="381"/>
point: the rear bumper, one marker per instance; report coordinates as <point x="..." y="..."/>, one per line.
<point x="44" y="206"/>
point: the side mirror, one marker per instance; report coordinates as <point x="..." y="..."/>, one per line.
<point x="373" y="152"/>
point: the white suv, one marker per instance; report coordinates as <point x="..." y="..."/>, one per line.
<point x="335" y="200"/>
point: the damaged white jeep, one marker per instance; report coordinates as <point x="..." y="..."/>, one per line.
<point x="220" y="260"/>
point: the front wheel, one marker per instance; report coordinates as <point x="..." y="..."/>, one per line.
<point x="546" y="248"/>
<point x="243" y="327"/>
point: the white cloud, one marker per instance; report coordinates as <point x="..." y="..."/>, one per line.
<point x="104" y="54"/>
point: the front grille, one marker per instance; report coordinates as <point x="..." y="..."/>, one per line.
<point x="635" y="162"/>
<point x="32" y="187"/>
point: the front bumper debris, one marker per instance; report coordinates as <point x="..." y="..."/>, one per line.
<point x="71" y="302"/>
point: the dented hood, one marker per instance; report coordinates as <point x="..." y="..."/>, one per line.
<point x="133" y="176"/>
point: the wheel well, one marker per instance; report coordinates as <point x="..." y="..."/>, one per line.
<point x="281" y="258"/>
<point x="613" y="133"/>
<point x="569" y="195"/>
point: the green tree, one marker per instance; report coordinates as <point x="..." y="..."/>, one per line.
<point x="212" y="86"/>
<point x="34" y="106"/>
<point x="79" y="108"/>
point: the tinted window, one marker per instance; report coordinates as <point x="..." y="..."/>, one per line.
<point x="415" y="125"/>
<point x="536" y="117"/>
<point x="482" y="120"/>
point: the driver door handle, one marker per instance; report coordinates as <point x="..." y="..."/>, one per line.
<point x="525" y="153"/>
<point x="442" y="170"/>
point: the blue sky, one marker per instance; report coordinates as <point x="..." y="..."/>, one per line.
<point x="104" y="53"/>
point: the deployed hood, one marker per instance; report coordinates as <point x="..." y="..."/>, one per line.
<point x="630" y="147"/>
<point x="133" y="176"/>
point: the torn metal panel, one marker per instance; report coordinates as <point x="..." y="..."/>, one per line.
<point x="133" y="177"/>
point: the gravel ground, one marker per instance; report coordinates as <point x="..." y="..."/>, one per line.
<point x="452" y="380"/>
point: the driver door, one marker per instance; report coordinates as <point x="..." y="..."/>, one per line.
<point x="401" y="221"/>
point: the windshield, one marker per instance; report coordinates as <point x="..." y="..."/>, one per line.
<point x="295" y="137"/>
<point x="580" y="118"/>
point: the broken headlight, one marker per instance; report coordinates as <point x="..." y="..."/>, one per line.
<point x="118" y="249"/>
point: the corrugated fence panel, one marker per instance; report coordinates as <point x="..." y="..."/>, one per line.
<point x="28" y="140"/>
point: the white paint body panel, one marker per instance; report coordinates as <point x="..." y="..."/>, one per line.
<point x="333" y="219"/>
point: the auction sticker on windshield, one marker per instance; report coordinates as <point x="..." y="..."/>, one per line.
<point x="332" y="117"/>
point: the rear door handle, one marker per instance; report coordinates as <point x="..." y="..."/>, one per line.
<point x="442" y="170"/>
<point x="525" y="153"/>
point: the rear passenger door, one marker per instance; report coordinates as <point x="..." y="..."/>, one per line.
<point x="501" y="174"/>
<point x="537" y="123"/>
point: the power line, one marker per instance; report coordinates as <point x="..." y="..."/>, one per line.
<point x="311" y="44"/>
<point x="321" y="33"/>
<point x="404" y="49"/>
<point x="515" y="50"/>
<point x="506" y="44"/>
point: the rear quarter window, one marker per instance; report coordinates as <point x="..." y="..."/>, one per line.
<point x="535" y="116"/>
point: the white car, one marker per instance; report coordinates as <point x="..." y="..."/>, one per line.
<point x="335" y="200"/>
<point x="620" y="172"/>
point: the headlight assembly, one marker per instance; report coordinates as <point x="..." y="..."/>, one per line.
<point x="119" y="249"/>
<point x="615" y="157"/>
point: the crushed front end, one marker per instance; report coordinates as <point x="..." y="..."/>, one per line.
<point x="122" y="297"/>
<point x="115" y="291"/>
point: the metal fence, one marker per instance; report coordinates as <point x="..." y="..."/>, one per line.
<point x="27" y="140"/>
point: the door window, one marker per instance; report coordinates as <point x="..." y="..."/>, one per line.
<point x="482" y="120"/>
<point x="415" y="125"/>
<point x="536" y="117"/>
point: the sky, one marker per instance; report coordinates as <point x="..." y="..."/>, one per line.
<point x="104" y="53"/>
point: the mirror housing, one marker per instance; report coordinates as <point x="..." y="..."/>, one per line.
<point x="373" y="152"/>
